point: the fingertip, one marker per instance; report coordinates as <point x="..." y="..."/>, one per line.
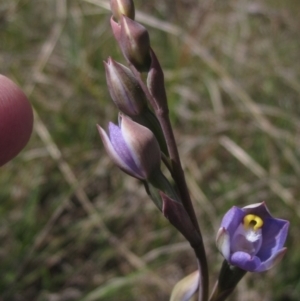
<point x="16" y="120"/>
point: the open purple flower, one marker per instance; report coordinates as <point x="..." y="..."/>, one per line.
<point x="132" y="147"/>
<point x="251" y="239"/>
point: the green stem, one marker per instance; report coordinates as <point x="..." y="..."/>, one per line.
<point x="229" y="277"/>
<point x="162" y="114"/>
<point x="160" y="182"/>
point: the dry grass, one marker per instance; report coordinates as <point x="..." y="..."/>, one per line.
<point x="72" y="226"/>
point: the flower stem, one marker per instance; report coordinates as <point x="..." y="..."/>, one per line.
<point x="162" y="113"/>
<point x="228" y="279"/>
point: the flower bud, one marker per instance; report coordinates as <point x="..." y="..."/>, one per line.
<point x="178" y="217"/>
<point x="185" y="288"/>
<point x="122" y="7"/>
<point x="132" y="147"/>
<point x="124" y="89"/>
<point x="135" y="44"/>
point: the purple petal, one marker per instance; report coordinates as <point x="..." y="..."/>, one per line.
<point x="274" y="233"/>
<point x="259" y="209"/>
<point x="232" y="219"/>
<point x="118" y="150"/>
<point x="245" y="261"/>
<point x="272" y="261"/>
<point x="120" y="146"/>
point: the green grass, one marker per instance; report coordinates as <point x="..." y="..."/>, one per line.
<point x="72" y="226"/>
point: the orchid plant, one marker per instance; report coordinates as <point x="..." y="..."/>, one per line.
<point x="249" y="238"/>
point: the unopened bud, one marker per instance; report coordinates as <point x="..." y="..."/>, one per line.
<point x="135" y="44"/>
<point x="132" y="147"/>
<point x="178" y="217"/>
<point x="124" y="89"/>
<point x="186" y="287"/>
<point x="122" y="7"/>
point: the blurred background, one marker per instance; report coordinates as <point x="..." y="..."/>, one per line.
<point x="72" y="226"/>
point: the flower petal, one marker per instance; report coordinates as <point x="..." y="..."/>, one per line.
<point x="119" y="153"/>
<point x="232" y="219"/>
<point x="274" y="234"/>
<point x="259" y="209"/>
<point x="245" y="261"/>
<point x="223" y="243"/>
<point x="272" y="261"/>
<point x="143" y="145"/>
